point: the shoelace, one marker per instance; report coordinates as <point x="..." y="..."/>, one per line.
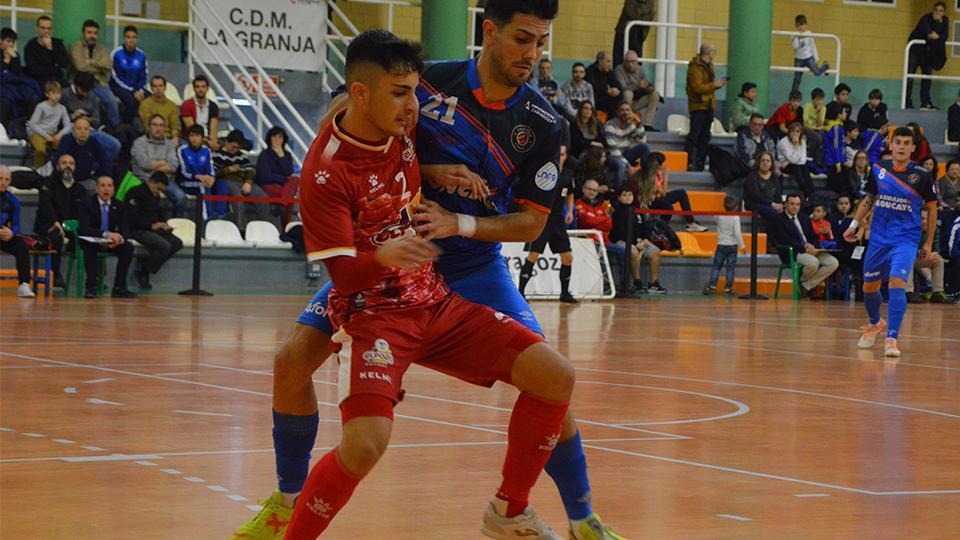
<point x="268" y="510"/>
<point x="538" y="523"/>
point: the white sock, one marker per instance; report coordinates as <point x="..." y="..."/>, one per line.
<point x="290" y="499"/>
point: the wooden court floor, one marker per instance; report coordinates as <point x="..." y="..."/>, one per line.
<point x="703" y="418"/>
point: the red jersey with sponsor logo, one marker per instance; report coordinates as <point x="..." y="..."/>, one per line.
<point x="354" y="196"/>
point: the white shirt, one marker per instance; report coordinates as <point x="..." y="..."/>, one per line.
<point x="805" y="47"/>
<point x="203" y="113"/>
<point x="728" y="232"/>
<point x="791" y="153"/>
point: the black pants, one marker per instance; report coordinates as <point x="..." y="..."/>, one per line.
<point x="699" y="138"/>
<point x="56" y="244"/>
<point x="801" y="174"/>
<point x="917" y="60"/>
<point x="638" y="34"/>
<point x="838" y="182"/>
<point x="160" y="246"/>
<point x="19" y="249"/>
<point x="91" y="263"/>
<point x="670" y="198"/>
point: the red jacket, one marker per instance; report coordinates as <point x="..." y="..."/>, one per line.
<point x="784" y="115"/>
<point x="595" y="217"/>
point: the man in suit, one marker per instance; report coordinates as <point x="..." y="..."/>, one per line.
<point x="148" y="225"/>
<point x="102" y="216"/>
<point x="796" y="231"/>
<point x="60" y="197"/>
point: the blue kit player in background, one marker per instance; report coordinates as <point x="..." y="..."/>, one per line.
<point x="489" y="148"/>
<point x="897" y="193"/>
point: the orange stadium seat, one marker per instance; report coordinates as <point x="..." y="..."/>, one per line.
<point x="708" y="242"/>
<point x="689" y="246"/>
<point x="676" y="161"/>
<point x="764" y="286"/>
<point x="705" y="201"/>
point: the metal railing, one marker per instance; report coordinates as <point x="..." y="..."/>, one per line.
<point x="907" y="76"/>
<point x="13" y="8"/>
<point x="118" y="19"/>
<point x="473" y="49"/>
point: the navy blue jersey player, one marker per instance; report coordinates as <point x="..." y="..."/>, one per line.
<point x="897" y="193"/>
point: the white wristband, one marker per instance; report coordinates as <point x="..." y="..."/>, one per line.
<point x="466" y="226"/>
<point x="853" y="224"/>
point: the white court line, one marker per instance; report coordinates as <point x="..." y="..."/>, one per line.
<point x="201" y="413"/>
<point x="93" y="448"/>
<point x="170" y="471"/>
<point x="733" y="517"/>
<point x="742" y="408"/>
<point x="236" y="497"/>
<point x="805" y="495"/>
<point x="176" y="374"/>
<point x="63" y="441"/>
<point x="6" y="429"/>
<point x="146" y="463"/>
<point x="34" y="435"/>
<point x="95" y="381"/>
<point x="97" y="401"/>
<point x="70" y="390"/>
<point x="217" y="488"/>
<point x="194" y="479"/>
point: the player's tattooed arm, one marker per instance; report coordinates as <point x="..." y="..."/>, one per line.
<point x="850" y="235"/>
<point x="434" y="222"/>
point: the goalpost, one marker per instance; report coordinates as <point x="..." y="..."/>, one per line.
<point x="591" y="276"/>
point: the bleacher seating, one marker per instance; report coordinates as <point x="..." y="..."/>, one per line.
<point x="263" y="234"/>
<point x="225" y="233"/>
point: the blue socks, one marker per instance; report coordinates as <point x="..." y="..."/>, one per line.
<point x="872" y="302"/>
<point x="568" y="468"/>
<point x="896" y="310"/>
<point x="293" y="438"/>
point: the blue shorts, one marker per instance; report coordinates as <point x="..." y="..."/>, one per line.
<point x="884" y="262"/>
<point x="491" y="286"/>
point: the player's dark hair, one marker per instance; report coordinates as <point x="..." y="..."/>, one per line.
<point x="385" y="49"/>
<point x="795" y="94"/>
<point x="130" y="28"/>
<point x="875" y="94"/>
<point x="501" y="12"/>
<point x="800" y="19"/>
<point x="817" y="93"/>
<point x="840" y="88"/>
<point x="792" y="195"/>
<point x="8" y="33"/>
<point x="851" y="125"/>
<point x="730" y="203"/>
<point x="904" y="131"/>
<point x="90" y="23"/>
<point x="746" y="87"/>
<point x="195" y="129"/>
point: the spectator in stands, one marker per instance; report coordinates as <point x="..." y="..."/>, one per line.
<point x="103" y="217"/>
<point x="923" y="146"/>
<point x="633" y="10"/>
<point x="80" y="100"/>
<point x="624" y="212"/>
<point x="778" y="125"/>
<point x="743" y="107"/>
<point x="152" y="153"/>
<point x="931" y="266"/>
<point x="930" y="164"/>
<point x="842" y="211"/>
<point x="795" y="230"/>
<point x="45" y="56"/>
<point x="233" y="166"/>
<point x="18" y="90"/>
<point x="148" y="225"/>
<point x="753" y="140"/>
<point x="850" y="141"/>
<point x="87" y="152"/>
<point x="872" y="142"/>
<point x="128" y="80"/>
<point x="873" y="114"/>
<point x="626" y="141"/>
<point x="702" y="86"/>
<point x="834" y="147"/>
<point x="594" y="210"/>
<point x="586" y="131"/>
<point x="815" y="123"/>
<point x="953" y="120"/>
<point x="637" y="90"/>
<point x="948" y="187"/>
<point x="729" y="239"/>
<point x="805" y="53"/>
<point x="90" y="57"/>
<point x="551" y="90"/>
<point x="578" y="90"/>
<point x="822" y="226"/>
<point x="202" y="111"/>
<point x="792" y="153"/>
<point x="606" y="89"/>
<point x="60" y="196"/>
<point x="841" y="96"/>
<point x="655" y="193"/>
<point x="933" y="28"/>
<point x="763" y="188"/>
<point x="157" y="103"/>
<point x="594" y="165"/>
<point x="196" y="172"/>
<point x="9" y="229"/>
<point x="275" y="173"/>
<point x="48" y="124"/>
<point x="858" y="176"/>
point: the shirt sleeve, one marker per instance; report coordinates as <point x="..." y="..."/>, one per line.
<point x="538" y="179"/>
<point x="326" y="211"/>
<point x="927" y="190"/>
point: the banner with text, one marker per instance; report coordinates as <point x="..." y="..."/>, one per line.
<point x="588" y="279"/>
<point x="282" y="35"/>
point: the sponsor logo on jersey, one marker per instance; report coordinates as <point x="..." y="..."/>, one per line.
<point x="913" y="179"/>
<point x="898" y="204"/>
<point x="546" y="177"/>
<point x="380" y="355"/>
<point x="523" y="138"/>
<point x="409" y="151"/>
<point x="375" y="376"/>
<point x="321" y="177"/>
<point x="541" y="112"/>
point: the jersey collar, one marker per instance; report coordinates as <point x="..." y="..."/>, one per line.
<point x="359" y="143"/>
<point x="473" y="79"/>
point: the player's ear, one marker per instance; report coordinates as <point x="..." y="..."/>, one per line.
<point x="489" y="29"/>
<point x="359" y="92"/>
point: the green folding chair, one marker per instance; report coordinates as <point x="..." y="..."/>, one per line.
<point x="794" y="268"/>
<point x="75" y="261"/>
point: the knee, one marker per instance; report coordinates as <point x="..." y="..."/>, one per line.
<point x="360" y="454"/>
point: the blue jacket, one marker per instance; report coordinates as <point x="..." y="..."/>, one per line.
<point x="10" y="211"/>
<point x="192" y="163"/>
<point x="834" y="145"/>
<point x="273" y="169"/>
<point x="871" y="141"/>
<point x="91" y="160"/>
<point x="953" y="242"/>
<point x="129" y="69"/>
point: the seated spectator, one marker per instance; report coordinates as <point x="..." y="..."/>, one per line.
<point x="60" y="196"/>
<point x="822" y="227"/>
<point x="795" y="230"/>
<point x="873" y="114"/>
<point x="655" y="193"/>
<point x="129" y="78"/>
<point x="202" y="111"/>
<point x="275" y="169"/>
<point x="196" y="172"/>
<point x="595" y="166"/>
<point x="148" y="225"/>
<point x="80" y="100"/>
<point x="841" y="96"/>
<point x="778" y="125"/>
<point x="640" y="248"/>
<point x="923" y="146"/>
<point x="842" y="210"/>
<point x="90" y="57"/>
<point x="48" y="124"/>
<point x="87" y="152"/>
<point x="753" y="140"/>
<point x="872" y="142"/>
<point x="626" y="141"/>
<point x="792" y="152"/>
<point x="103" y="217"/>
<point x="744" y="107"/>
<point x="586" y="130"/>
<point x="953" y="120"/>
<point x="637" y="90"/>
<point x="729" y="239"/>
<point x="606" y="89"/>
<point x="594" y="210"/>
<point x="234" y="167"/>
<point x="45" y="56"/>
<point x="850" y="142"/>
<point x="158" y="103"/>
<point x="814" y="124"/>
<point x="948" y="187"/>
<point x="834" y="147"/>
<point x="9" y="229"/>
<point x="152" y="153"/>
<point x="931" y="265"/>
<point x="763" y="188"/>
<point x="858" y="176"/>
<point x="551" y="89"/>
<point x="18" y="91"/>
<point x="578" y="90"/>
<point x="930" y="164"/>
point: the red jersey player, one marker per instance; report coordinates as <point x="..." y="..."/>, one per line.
<point x="390" y="308"/>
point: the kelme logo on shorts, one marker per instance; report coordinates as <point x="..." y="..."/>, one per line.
<point x="380" y="355"/>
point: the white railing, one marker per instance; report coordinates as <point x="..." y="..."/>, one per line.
<point x="907" y="76"/>
<point x="473" y="50"/>
<point x="13" y="8"/>
<point x="117" y="19"/>
<point x="701" y="28"/>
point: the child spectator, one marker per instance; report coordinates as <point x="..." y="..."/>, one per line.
<point x="841" y="95"/>
<point x="779" y="124"/>
<point x="792" y="153"/>
<point x="859" y="175"/>
<point x="814" y="124"/>
<point x="850" y="141"/>
<point x="822" y="226"/>
<point x="872" y="141"/>
<point x="729" y="239"/>
<point x="48" y="124"/>
<point x="624" y="211"/>
<point x="923" y="147"/>
<point x="743" y="107"/>
<point x="834" y="147"/>
<point x="196" y="172"/>
<point x="873" y="114"/>
<point x="805" y="53"/>
<point x="233" y="166"/>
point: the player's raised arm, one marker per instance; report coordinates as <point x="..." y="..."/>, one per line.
<point x="850" y="235"/>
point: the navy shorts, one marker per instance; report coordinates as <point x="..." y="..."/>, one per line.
<point x="884" y="262"/>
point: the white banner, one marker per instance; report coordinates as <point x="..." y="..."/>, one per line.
<point x="586" y="278"/>
<point x="283" y="35"/>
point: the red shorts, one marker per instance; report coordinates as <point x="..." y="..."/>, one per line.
<point x="465" y="340"/>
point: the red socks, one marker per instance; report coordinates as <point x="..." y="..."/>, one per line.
<point x="327" y="490"/>
<point x="534" y="430"/>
